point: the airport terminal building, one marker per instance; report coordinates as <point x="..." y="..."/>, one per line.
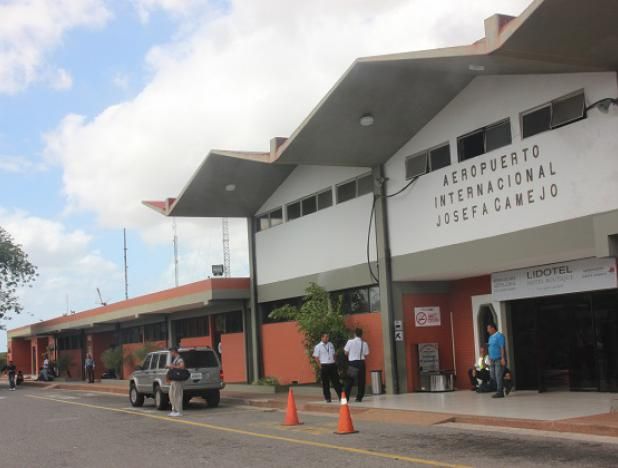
<point x="439" y="191"/>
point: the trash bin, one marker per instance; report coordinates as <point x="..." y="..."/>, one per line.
<point x="376" y="382"/>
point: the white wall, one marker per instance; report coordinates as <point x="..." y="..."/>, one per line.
<point x="579" y="160"/>
<point x="332" y="238"/>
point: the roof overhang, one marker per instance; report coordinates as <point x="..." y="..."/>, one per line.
<point x="227" y="183"/>
<point x="403" y="92"/>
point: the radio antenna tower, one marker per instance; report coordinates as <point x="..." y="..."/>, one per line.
<point x="175" y="252"/>
<point x="226" y="247"/>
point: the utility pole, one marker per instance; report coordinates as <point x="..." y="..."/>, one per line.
<point x="126" y="268"/>
<point x="226" y="247"/>
<point x="175" y="252"/>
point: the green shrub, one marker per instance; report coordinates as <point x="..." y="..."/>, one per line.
<point x="137" y="357"/>
<point x="318" y="314"/>
<point x="112" y="359"/>
<point x="64" y="364"/>
<point x="267" y="381"/>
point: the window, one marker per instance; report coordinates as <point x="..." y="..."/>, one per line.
<point x="427" y="161"/>
<point x="147" y="361"/>
<point x="358" y="300"/>
<point x="69" y="342"/>
<point x="309" y="205"/>
<point x="276" y="217"/>
<point x="155" y="332"/>
<point x="346" y="191"/>
<point x="557" y="113"/>
<point x="267" y="307"/>
<point x="131" y="335"/>
<point x="270" y="219"/>
<point x="484" y="140"/>
<point x="162" y="361"/>
<point x="355" y="188"/>
<point x="325" y="199"/>
<point x="233" y="322"/>
<point x="187" y="328"/>
<point x="195" y="359"/>
<point x="293" y="210"/>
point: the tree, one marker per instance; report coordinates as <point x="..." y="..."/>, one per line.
<point x="318" y="314"/>
<point x="16" y="272"/>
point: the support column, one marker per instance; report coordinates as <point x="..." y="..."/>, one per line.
<point x="254" y="355"/>
<point x="391" y="376"/>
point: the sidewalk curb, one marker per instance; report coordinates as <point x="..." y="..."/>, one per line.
<point x="426" y="418"/>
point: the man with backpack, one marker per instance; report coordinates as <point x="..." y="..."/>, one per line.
<point x="176" y="386"/>
<point x="356" y="350"/>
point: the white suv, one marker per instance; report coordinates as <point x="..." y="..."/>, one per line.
<point x="149" y="379"/>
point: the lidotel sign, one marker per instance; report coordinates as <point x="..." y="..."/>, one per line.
<point x="590" y="274"/>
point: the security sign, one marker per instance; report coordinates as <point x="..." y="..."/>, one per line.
<point x="399" y="335"/>
<point x="427" y="317"/>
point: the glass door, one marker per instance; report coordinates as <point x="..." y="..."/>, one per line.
<point x="605" y="313"/>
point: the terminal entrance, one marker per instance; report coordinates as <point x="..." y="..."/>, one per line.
<point x="567" y="342"/>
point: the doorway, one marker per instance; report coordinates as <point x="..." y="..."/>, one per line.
<point x="567" y="342"/>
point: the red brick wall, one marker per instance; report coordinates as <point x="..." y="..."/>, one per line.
<point x="100" y="343"/>
<point x="461" y="305"/>
<point x="371" y="325"/>
<point x="76" y="365"/>
<point x="414" y="335"/>
<point x="20" y="354"/>
<point x="196" y="341"/>
<point x="233" y="357"/>
<point x="284" y="354"/>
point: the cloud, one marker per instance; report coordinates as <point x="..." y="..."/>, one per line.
<point x="31" y="29"/>
<point x="19" y="164"/>
<point x="70" y="269"/>
<point x="121" y="81"/>
<point x="249" y="73"/>
<point x="177" y="8"/>
<point x="60" y="80"/>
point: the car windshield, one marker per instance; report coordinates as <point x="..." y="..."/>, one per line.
<point x="196" y="358"/>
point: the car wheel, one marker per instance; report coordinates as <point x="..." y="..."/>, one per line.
<point x="161" y="399"/>
<point x="136" y="398"/>
<point x="212" y="398"/>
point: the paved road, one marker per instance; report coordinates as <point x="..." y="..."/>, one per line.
<point x="79" y="429"/>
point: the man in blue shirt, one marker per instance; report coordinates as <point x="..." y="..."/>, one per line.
<point x="497" y="357"/>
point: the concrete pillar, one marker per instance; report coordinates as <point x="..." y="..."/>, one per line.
<point x="254" y="355"/>
<point x="391" y="377"/>
<point x="248" y="332"/>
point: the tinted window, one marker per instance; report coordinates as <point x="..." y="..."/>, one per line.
<point x="276" y="217"/>
<point x="293" y="210"/>
<point x="155" y="332"/>
<point x="346" y="191"/>
<point x="537" y="121"/>
<point x="233" y="322"/>
<point x="162" y="361"/>
<point x="325" y="199"/>
<point x="416" y="166"/>
<point x="309" y="205"/>
<point x="365" y="185"/>
<point x="567" y="110"/>
<point x="471" y="145"/>
<point x="440" y="157"/>
<point x="497" y="136"/>
<point x="194" y="359"/>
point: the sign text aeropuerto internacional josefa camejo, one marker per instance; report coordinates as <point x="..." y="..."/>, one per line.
<point x="465" y="197"/>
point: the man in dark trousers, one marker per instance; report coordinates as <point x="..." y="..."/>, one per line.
<point x="324" y="354"/>
<point x="11" y="371"/>
<point x="356" y="350"/>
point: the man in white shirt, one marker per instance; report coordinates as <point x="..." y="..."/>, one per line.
<point x="356" y="350"/>
<point x="324" y="354"/>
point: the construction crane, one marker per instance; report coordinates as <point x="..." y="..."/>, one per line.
<point x="226" y="247"/>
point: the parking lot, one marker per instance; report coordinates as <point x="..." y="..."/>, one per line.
<point x="88" y="429"/>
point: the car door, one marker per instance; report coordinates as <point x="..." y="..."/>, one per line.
<point x="160" y="366"/>
<point x="146" y="381"/>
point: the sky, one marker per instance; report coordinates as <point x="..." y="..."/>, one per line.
<point x="105" y="103"/>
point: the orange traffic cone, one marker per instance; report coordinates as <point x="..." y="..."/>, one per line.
<point x="345" y="420"/>
<point x="291" y="416"/>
